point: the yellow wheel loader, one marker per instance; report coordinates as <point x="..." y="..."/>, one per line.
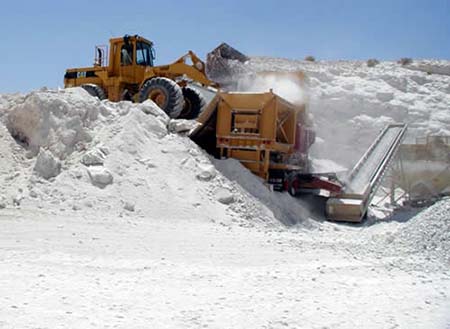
<point x="127" y="72"/>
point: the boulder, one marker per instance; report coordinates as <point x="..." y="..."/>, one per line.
<point x="181" y="125"/>
<point x="224" y="196"/>
<point x="206" y="172"/>
<point x="47" y="166"/>
<point x="100" y="176"/>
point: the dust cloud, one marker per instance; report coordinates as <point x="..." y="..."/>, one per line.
<point x="288" y="86"/>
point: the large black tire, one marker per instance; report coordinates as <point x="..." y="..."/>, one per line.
<point x="193" y="103"/>
<point x="94" y="90"/>
<point x="165" y="93"/>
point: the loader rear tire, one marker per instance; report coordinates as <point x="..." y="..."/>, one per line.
<point x="165" y="93"/>
<point x="193" y="103"/>
<point x="94" y="90"/>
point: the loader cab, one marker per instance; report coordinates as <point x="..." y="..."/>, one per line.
<point x="130" y="54"/>
<point x="137" y="53"/>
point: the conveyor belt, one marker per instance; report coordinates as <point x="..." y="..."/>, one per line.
<point x="366" y="176"/>
<point x="369" y="169"/>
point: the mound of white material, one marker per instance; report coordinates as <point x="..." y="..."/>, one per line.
<point x="431" y="67"/>
<point x="351" y="102"/>
<point x="116" y="158"/>
<point x="428" y="232"/>
<point x="56" y="121"/>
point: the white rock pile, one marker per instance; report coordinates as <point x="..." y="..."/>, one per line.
<point x="428" y="232"/>
<point x="67" y="151"/>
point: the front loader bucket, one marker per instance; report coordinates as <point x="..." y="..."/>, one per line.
<point x="225" y="62"/>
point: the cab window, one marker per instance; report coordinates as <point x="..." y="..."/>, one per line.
<point x="144" y="54"/>
<point x="126" y="54"/>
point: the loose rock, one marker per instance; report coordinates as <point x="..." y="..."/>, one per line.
<point x="100" y="176"/>
<point x="128" y="206"/>
<point x="181" y="125"/>
<point x="46" y="165"/>
<point x="207" y="172"/>
<point x="95" y="157"/>
<point x="224" y="196"/>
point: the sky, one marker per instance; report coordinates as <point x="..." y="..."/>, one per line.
<point x="40" y="39"/>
